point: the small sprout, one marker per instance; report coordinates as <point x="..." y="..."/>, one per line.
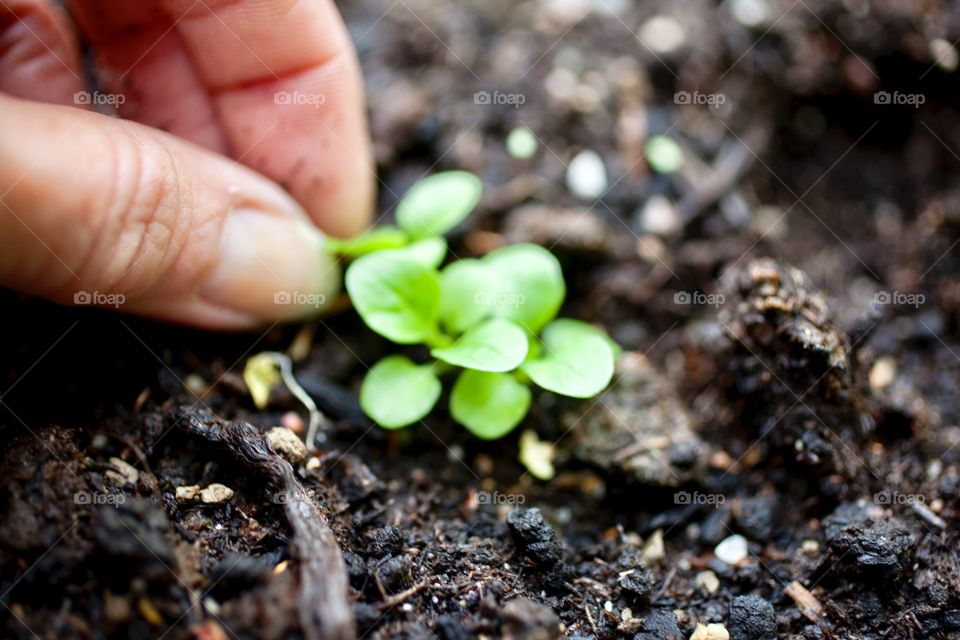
<point x="663" y="154"/>
<point x="522" y="143"/>
<point x="261" y="375"/>
<point x="537" y="456"/>
<point x="491" y="319"/>
<point x="267" y="369"/>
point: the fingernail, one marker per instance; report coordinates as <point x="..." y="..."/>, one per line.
<point x="272" y="267"/>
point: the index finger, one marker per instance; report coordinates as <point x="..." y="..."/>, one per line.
<point x="282" y="79"/>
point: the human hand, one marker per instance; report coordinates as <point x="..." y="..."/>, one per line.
<point x="160" y="209"/>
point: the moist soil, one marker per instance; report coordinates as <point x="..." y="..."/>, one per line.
<point x="789" y="377"/>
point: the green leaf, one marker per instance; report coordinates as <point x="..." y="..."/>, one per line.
<point x="437" y="204"/>
<point x="429" y="251"/>
<point x="577" y="360"/>
<point x="494" y="345"/>
<point x="464" y="285"/>
<point x="528" y="285"/>
<point x="488" y="404"/>
<point x="378" y="239"/>
<point x="261" y="375"/>
<point x="397" y="296"/>
<point x="397" y="392"/>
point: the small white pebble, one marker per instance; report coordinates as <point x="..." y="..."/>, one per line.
<point x="125" y="473"/>
<point x="732" y="550"/>
<point x="750" y="13"/>
<point x="626" y="614"/>
<point x="187" y="493"/>
<point x="286" y="443"/>
<point x="216" y="493"/>
<point x="654" y="550"/>
<point x="407" y="607"/>
<point x="944" y="54"/>
<point x="883" y="372"/>
<point x="586" y="176"/>
<point x="608" y="606"/>
<point x="708" y="581"/>
<point x="662" y="34"/>
<point x="659" y="216"/>
<point x="810" y="547"/>
<point x="713" y="631"/>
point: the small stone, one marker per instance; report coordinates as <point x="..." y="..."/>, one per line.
<point x="286" y="443"/>
<point x="125" y="473"/>
<point x="810" y="547"/>
<point x="637" y="582"/>
<point x="659" y="216"/>
<point x="750" y="13"/>
<point x="587" y="176"/>
<point x="732" y="550"/>
<point x="713" y="631"/>
<point x="708" y="581"/>
<point x="662" y="34"/>
<point x="535" y="537"/>
<point x="654" y="550"/>
<point x="883" y="372"/>
<point x="187" y="493"/>
<point x="752" y="618"/>
<point x="944" y="54"/>
<point x="216" y="493"/>
<point x="292" y="420"/>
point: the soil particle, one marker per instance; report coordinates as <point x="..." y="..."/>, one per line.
<point x="525" y="619"/>
<point x="755" y="516"/>
<point x="638" y="428"/>
<point x="752" y="618"/>
<point x="386" y="541"/>
<point x="873" y="544"/>
<point x="786" y="355"/>
<point x="713" y="631"/>
<point x="637" y="583"/>
<point x="216" y="493"/>
<point x="535" y="537"/>
<point x="660" y="624"/>
<point x="287" y="444"/>
<point x="394" y="574"/>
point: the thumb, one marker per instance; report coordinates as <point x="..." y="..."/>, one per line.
<point x="96" y="210"/>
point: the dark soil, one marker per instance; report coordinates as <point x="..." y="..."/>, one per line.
<point x="802" y="411"/>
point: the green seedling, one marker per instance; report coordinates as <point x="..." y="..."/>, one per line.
<point x="489" y="321"/>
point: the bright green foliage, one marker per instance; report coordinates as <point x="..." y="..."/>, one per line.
<point x="398" y="392"/>
<point x="493" y="318"/>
